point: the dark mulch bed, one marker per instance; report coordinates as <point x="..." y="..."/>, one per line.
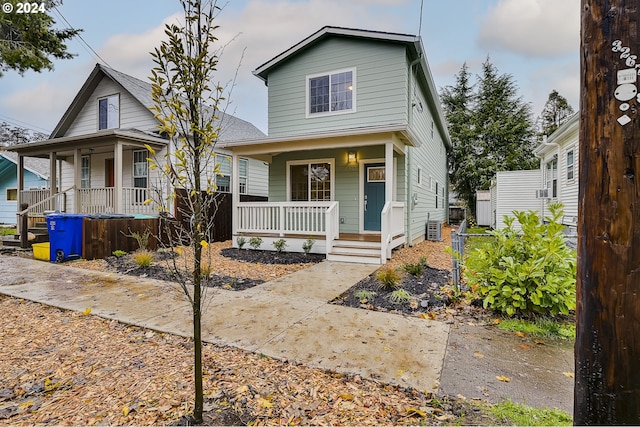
<point x="430" y="292"/>
<point x="271" y="257"/>
<point x="126" y="265"/>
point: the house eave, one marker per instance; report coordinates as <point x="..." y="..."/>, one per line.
<point x="105" y="137"/>
<point x="559" y="136"/>
<point x="336" y="139"/>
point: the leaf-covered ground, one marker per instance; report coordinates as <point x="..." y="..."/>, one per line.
<point x="66" y="368"/>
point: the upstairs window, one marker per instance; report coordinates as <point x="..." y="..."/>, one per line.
<point x="109" y="112"/>
<point x="332" y="92"/>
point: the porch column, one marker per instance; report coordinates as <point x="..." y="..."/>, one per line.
<point x="390" y="179"/>
<point x="53" y="171"/>
<point x="235" y="192"/>
<point x="77" y="179"/>
<point x="117" y="179"/>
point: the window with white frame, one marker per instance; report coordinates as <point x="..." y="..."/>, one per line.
<point x="310" y="181"/>
<point x="109" y="112"/>
<point x="140" y="168"/>
<point x="243" y="166"/>
<point x="331" y="92"/>
<point x="552" y="177"/>
<point x="223" y="179"/>
<point x="570" y="166"/>
<point x="85" y="172"/>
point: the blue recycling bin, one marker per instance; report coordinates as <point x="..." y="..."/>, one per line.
<point x="65" y="236"/>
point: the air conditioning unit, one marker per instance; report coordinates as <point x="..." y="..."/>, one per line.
<point x="542" y="194"/>
<point x="434" y="231"/>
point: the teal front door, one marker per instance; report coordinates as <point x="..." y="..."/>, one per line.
<point x="374" y="177"/>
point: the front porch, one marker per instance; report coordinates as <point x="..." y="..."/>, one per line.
<point x="298" y="223"/>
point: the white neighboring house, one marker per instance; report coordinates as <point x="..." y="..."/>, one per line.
<point x="513" y="191"/>
<point x="555" y="181"/>
<point x="559" y="167"/>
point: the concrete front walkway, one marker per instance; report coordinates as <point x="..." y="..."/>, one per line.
<point x="287" y="318"/>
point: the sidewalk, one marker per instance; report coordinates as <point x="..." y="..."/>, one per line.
<point x="289" y="318"/>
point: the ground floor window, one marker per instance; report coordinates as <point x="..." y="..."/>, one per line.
<point x="12" y="194"/>
<point x="85" y="172"/>
<point x="311" y="181"/>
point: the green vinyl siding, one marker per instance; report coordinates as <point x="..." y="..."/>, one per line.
<point x="380" y="86"/>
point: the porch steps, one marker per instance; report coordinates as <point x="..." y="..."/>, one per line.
<point x="355" y="251"/>
<point x="40" y="232"/>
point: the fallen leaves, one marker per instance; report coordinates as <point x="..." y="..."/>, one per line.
<point x="569" y="374"/>
<point x="85" y="370"/>
<point x="503" y="379"/>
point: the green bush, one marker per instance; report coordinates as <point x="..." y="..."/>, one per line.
<point x="400" y="296"/>
<point x="279" y="245"/>
<point x="119" y="253"/>
<point x="307" y="245"/>
<point x="241" y="241"/>
<point x="143" y="258"/>
<point x="413" y="269"/>
<point x="255" y="242"/>
<point x="527" y="271"/>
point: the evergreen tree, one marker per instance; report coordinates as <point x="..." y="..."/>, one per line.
<point x="491" y="129"/>
<point x="555" y="112"/>
<point x="28" y="41"/>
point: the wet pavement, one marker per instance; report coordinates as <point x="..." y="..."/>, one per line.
<point x="289" y="318"/>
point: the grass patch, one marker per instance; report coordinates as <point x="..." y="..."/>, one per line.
<point x="542" y="327"/>
<point x="7" y="231"/>
<point x="477" y="230"/>
<point x="509" y="413"/>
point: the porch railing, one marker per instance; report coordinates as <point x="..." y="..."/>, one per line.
<point x="103" y="200"/>
<point x="305" y="218"/>
<point x="392" y="225"/>
<point x="40" y="201"/>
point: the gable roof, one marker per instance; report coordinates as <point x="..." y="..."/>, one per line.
<point x="412" y="43"/>
<point x="39" y="167"/>
<point x="231" y="127"/>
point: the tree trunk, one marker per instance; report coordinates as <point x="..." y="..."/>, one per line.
<point x="607" y="376"/>
<point x="197" y="354"/>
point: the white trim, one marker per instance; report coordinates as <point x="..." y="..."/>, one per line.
<point x="310" y="115"/>
<point x="107" y="97"/>
<point x="332" y="163"/>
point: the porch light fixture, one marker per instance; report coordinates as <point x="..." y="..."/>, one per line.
<point x="351" y="157"/>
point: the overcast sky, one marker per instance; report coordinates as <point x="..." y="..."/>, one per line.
<point x="536" y="41"/>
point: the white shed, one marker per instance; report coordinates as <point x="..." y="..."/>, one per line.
<point x="514" y="191"/>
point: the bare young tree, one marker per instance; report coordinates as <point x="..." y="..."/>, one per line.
<point x="189" y="107"/>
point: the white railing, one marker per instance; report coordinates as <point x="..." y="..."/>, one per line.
<point x="392" y="225"/>
<point x="97" y="200"/>
<point x="306" y="218"/>
<point x="40" y="201"/>
<point x="333" y="226"/>
<point x="102" y="200"/>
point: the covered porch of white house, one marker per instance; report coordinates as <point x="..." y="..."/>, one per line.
<point x="106" y="172"/>
<point x="339" y="217"/>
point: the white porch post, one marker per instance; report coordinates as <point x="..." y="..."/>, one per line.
<point x="53" y="171"/>
<point x="117" y="179"/>
<point x="77" y="179"/>
<point x="390" y="178"/>
<point x="235" y="193"/>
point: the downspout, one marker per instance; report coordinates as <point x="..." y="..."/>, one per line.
<point x="409" y="164"/>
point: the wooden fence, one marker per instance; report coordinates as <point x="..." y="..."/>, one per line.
<point x="102" y="236"/>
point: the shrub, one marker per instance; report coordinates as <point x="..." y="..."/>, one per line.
<point x="532" y="271"/>
<point x="141" y="238"/>
<point x="400" y="296"/>
<point x="241" y="242"/>
<point x="363" y="295"/>
<point x="119" y="253"/>
<point x="280" y="244"/>
<point x="143" y="258"/>
<point x="307" y="245"/>
<point x="255" y="242"/>
<point x="413" y="269"/>
<point x="388" y="278"/>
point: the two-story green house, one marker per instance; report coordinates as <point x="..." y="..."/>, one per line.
<point x="357" y="147"/>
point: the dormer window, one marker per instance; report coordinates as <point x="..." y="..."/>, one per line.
<point x="331" y="92"/>
<point x="109" y="112"/>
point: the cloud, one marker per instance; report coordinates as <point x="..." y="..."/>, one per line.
<point x="537" y="28"/>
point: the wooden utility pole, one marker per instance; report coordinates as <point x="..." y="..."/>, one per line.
<point x="607" y="377"/>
